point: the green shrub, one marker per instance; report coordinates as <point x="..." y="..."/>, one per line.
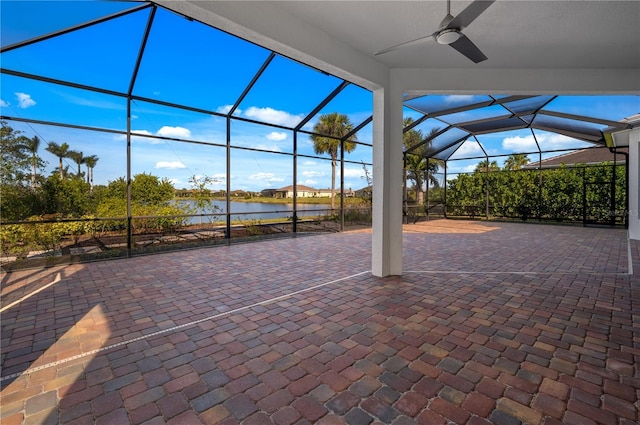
<point x="556" y="194"/>
<point x="12" y="240"/>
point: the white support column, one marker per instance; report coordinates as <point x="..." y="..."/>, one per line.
<point x="634" y="184"/>
<point x="386" y="252"/>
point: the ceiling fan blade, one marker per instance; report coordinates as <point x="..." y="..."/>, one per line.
<point x="469" y="14"/>
<point x="467" y="48"/>
<point x="405" y="44"/>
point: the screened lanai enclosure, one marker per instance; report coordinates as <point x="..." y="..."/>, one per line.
<point x="148" y="130"/>
<point x="129" y="129"/>
<point x="542" y="157"/>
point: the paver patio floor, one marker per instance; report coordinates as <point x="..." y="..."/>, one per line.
<point x="497" y="323"/>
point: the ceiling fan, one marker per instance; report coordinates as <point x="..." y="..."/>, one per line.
<point x="450" y="32"/>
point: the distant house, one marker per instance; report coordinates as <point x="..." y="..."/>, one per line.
<point x="238" y="193"/>
<point x="349" y="193"/>
<point x="304" y="192"/>
<point x="589" y="156"/>
<point x="326" y="193"/>
<point x="268" y="193"/>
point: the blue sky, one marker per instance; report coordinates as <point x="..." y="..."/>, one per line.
<point x="191" y="64"/>
<point x="504" y="143"/>
<point x="186" y="63"/>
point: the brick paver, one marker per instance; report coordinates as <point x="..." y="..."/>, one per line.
<point x="491" y="323"/>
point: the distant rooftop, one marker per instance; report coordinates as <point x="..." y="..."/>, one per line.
<point x="590" y="156"/>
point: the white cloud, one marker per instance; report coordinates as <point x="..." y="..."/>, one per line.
<point x="309" y="163"/>
<point x="309" y="182"/>
<point x="276" y="136"/>
<point x="467" y="149"/>
<point x="224" y="109"/>
<point x="165" y="131"/>
<point x="3" y="103"/>
<point x="272" y="148"/>
<point x="556" y="140"/>
<point x="24" y="100"/>
<point x="455" y="167"/>
<point x="519" y="143"/>
<point x="546" y="140"/>
<point x="91" y="102"/>
<point x="139" y="136"/>
<point x="268" y="177"/>
<point x="461" y="98"/>
<point x="142" y="132"/>
<point x="353" y="172"/>
<point x="168" y="131"/>
<point x="171" y="165"/>
<point x="273" y="116"/>
<point x="312" y="173"/>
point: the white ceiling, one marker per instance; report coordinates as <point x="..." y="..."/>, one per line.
<point x="512" y="34"/>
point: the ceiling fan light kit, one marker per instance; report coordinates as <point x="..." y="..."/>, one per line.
<point x="448" y="36"/>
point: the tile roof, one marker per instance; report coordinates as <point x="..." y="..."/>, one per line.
<point x="588" y="156"/>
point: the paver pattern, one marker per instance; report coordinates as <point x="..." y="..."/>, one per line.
<point x="491" y="323"/>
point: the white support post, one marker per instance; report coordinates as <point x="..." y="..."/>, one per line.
<point x="634" y="184"/>
<point x="386" y="252"/>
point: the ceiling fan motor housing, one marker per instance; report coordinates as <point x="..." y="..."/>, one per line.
<point x="448" y="36"/>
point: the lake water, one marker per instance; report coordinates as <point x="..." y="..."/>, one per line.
<point x="257" y="210"/>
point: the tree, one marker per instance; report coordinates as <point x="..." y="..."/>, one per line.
<point x="146" y="189"/>
<point x="150" y="196"/>
<point x="69" y="197"/>
<point x="415" y="161"/>
<point x="367" y="192"/>
<point x="418" y="168"/>
<point x="32" y="145"/>
<point x="516" y="161"/>
<point x="333" y="127"/>
<point x="203" y="197"/>
<point x="482" y="166"/>
<point x="78" y="158"/>
<point x="18" y="200"/>
<point x="15" y="161"/>
<point x="90" y="161"/>
<point x="466" y="194"/>
<point x="61" y="151"/>
<point x="151" y="190"/>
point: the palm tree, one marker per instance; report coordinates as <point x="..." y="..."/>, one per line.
<point x="32" y="145"/>
<point x="61" y="151"/>
<point x="516" y="161"/>
<point x="484" y="166"/>
<point x="419" y="169"/>
<point x="78" y="158"/>
<point x="416" y="167"/>
<point x="90" y="161"/>
<point x="433" y="166"/>
<point x="415" y="162"/>
<point x="337" y="126"/>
